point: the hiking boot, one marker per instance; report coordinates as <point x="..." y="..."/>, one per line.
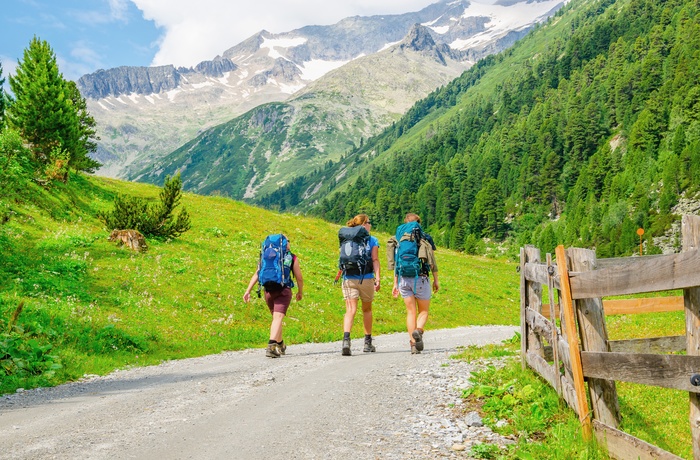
<point x="414" y="350"/>
<point x="418" y="337"/>
<point x="282" y="348"/>
<point x="346" y="347"/>
<point x="369" y="348"/>
<point x="271" y="351"/>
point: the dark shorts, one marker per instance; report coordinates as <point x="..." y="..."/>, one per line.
<point x="279" y="301"/>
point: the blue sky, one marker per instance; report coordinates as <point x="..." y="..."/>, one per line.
<point x="88" y="35"/>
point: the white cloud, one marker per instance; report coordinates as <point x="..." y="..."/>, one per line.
<point x="199" y="30"/>
<point x="8" y="66"/>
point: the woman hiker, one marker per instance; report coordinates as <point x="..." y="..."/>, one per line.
<point x="359" y="262"/>
<point x="278" y="296"/>
<point x="414" y="284"/>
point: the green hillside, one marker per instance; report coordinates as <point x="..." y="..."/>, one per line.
<point x="93" y="307"/>
<point x="584" y="131"/>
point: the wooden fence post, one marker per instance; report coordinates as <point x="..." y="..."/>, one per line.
<point x="523" y="305"/>
<point x="567" y="308"/>
<point x="530" y="297"/>
<point x="553" y="319"/>
<point x="594" y="337"/>
<point x="690" y="229"/>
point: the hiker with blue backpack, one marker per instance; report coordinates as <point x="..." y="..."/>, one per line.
<point x="359" y="266"/>
<point x="410" y="254"/>
<point x="276" y="266"/>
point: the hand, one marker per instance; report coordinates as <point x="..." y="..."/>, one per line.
<point x="395" y="291"/>
<point x="376" y="285"/>
<point x="436" y="286"/>
<point x="299" y="296"/>
<point x="246" y="297"/>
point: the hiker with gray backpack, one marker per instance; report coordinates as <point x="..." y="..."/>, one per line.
<point x="276" y="267"/>
<point x="358" y="264"/>
<point x="410" y="254"/>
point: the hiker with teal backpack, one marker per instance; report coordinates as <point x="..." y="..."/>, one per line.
<point x="276" y="266"/>
<point x="410" y="254"/>
<point x="359" y="266"/>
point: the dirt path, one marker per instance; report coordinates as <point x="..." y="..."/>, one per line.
<point x="311" y="403"/>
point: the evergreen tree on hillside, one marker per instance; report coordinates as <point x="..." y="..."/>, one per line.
<point x="3" y="99"/>
<point x="50" y="114"/>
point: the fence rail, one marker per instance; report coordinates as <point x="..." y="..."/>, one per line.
<point x="566" y="340"/>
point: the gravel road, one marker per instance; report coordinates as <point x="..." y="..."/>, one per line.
<point x="312" y="403"/>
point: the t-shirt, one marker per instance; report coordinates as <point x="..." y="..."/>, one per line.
<point x="373" y="243"/>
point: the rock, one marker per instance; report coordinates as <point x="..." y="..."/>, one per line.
<point x="473" y="419"/>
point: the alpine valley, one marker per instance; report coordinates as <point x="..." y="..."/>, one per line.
<point x="279" y="106"/>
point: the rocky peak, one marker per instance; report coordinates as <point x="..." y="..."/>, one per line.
<point x="418" y="39"/>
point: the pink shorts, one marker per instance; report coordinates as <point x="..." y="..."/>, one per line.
<point x="279" y="301"/>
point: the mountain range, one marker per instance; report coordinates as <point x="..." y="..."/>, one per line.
<point x="338" y="85"/>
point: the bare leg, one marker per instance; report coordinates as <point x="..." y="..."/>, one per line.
<point x="410" y="315"/>
<point x="423" y="307"/>
<point x="350" y="310"/>
<point x="276" y="326"/>
<point x="367" y="317"/>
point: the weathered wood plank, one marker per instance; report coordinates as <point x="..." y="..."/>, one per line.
<point x="642" y="305"/>
<point x="622" y="261"/>
<point x="553" y="323"/>
<point x="539" y="324"/>
<point x="564" y="354"/>
<point x="543" y="368"/>
<point x="668" y="371"/>
<point x="663" y="273"/>
<point x="634" y="306"/>
<point x="569" y="394"/>
<point x="569" y="324"/>
<point x="534" y="302"/>
<point x="523" y="306"/>
<point x="623" y="446"/>
<point x="536" y="272"/>
<point x="690" y="229"/>
<point x="594" y="337"/>
<point x="658" y="345"/>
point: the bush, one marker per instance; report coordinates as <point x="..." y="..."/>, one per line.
<point x="151" y="219"/>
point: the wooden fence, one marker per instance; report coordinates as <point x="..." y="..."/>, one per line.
<point x="566" y="341"/>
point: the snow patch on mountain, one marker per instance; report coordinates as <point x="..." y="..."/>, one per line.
<point x="503" y="20"/>
<point x="316" y="68"/>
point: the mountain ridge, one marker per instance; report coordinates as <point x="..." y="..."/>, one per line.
<point x="141" y="126"/>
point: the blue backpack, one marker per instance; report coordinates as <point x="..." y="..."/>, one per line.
<point x="406" y="260"/>
<point x="275" y="267"/>
<point x="355" y="255"/>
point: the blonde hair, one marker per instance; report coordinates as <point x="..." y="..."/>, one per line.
<point x="359" y="219"/>
<point x="412" y="217"/>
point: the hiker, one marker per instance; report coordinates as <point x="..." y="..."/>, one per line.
<point x="359" y="267"/>
<point x="411" y="255"/>
<point x="276" y="265"/>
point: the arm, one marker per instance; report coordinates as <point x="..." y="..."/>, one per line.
<point x="253" y="280"/>
<point x="296" y="269"/>
<point x="395" y="289"/>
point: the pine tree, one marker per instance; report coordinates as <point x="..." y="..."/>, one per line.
<point x="86" y="136"/>
<point x="3" y="99"/>
<point x="50" y="114"/>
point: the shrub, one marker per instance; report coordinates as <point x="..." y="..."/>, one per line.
<point x="151" y="219"/>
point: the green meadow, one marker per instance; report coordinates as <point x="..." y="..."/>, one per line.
<point x="73" y="303"/>
<point x="100" y="307"/>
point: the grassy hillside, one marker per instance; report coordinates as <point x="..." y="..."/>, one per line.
<point x="93" y="307"/>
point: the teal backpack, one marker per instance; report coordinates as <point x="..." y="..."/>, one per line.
<point x="406" y="260"/>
